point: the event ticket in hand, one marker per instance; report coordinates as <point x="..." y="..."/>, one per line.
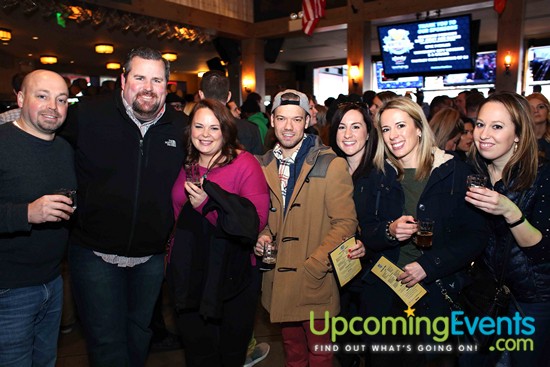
<point x="388" y="272"/>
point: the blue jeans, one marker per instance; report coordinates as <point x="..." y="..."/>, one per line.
<point x="29" y="324"/>
<point x="115" y="306"/>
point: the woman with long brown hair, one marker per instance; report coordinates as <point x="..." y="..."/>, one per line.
<point x="506" y="152"/>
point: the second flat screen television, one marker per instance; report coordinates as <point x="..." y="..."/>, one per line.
<point x="429" y="47"/>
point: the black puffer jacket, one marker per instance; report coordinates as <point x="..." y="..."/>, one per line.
<point x="528" y="269"/>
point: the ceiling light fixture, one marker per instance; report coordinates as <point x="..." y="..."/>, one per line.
<point x="170" y="56"/>
<point x="113" y="65"/>
<point x="76" y="11"/>
<point x="48" y="60"/>
<point x="104" y="48"/>
<point x="5" y="34"/>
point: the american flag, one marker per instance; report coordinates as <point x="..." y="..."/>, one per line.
<point x="313" y="10"/>
<point x="498" y="5"/>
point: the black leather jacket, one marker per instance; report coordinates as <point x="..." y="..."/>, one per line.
<point x="528" y="269"/>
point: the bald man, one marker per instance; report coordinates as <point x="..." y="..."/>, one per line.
<point x="34" y="164"/>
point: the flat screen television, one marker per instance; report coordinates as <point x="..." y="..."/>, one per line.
<point x="396" y="83"/>
<point x="484" y="72"/>
<point x="539" y="63"/>
<point x="429" y="47"/>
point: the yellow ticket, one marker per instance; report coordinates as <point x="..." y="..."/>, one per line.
<point x="388" y="272"/>
<point x="344" y="267"/>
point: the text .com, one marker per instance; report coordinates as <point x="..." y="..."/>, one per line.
<point x="510" y="331"/>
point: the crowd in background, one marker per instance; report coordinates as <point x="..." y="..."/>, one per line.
<point x="370" y="166"/>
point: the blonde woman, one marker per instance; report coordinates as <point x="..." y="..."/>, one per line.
<point x="447" y="127"/>
<point x="540" y="108"/>
<point x="413" y="180"/>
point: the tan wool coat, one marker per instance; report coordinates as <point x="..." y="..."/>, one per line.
<point x="320" y="213"/>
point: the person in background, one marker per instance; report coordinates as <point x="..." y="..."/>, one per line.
<point x="473" y="101"/>
<point x="175" y="101"/>
<point x="128" y="154"/>
<point x="323" y="126"/>
<point x="368" y="97"/>
<point x="107" y="87"/>
<point x="189" y="103"/>
<point x="357" y="141"/>
<point x="414" y="180"/>
<point x="78" y="87"/>
<point x="439" y="103"/>
<point x="256" y="97"/>
<point x="216" y="330"/>
<point x="312" y="211"/>
<point x="251" y="111"/>
<point x="329" y="101"/>
<point x="466" y="140"/>
<point x="540" y="108"/>
<point x="447" y="127"/>
<point x="515" y="200"/>
<point x="419" y="94"/>
<point x="34" y="222"/>
<point x="234" y="109"/>
<point x="379" y="100"/>
<point x="14" y="113"/>
<point x="215" y="85"/>
<point x="459" y="102"/>
<point x="312" y="128"/>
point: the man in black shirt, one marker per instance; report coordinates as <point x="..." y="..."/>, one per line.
<point x="33" y="222"/>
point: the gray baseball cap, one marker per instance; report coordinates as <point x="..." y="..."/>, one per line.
<point x="300" y="100"/>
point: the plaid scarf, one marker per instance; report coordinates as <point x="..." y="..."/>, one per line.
<point x="284" y="166"/>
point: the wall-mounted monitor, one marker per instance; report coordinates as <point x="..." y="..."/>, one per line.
<point x="396" y="83"/>
<point x="429" y="47"/>
<point x="484" y="72"/>
<point x="539" y="63"/>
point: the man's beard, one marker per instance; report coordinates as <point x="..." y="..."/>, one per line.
<point x="146" y="110"/>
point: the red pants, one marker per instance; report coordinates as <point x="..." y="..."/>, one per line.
<point x="300" y="345"/>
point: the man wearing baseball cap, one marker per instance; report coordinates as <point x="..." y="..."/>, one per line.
<point x="312" y="211"/>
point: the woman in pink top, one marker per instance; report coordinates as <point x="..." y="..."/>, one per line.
<point x="212" y="147"/>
